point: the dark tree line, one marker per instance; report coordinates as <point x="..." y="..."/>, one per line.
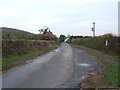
<point x="80" y="36"/>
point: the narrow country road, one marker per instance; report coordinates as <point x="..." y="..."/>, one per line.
<point x="61" y="68"/>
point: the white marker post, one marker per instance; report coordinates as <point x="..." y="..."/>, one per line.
<point x="106" y="44"/>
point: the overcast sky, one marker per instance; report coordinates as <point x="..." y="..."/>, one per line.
<point x="72" y="17"/>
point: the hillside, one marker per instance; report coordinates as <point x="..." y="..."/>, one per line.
<point x="11" y="33"/>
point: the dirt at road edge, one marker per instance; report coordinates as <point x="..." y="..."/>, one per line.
<point x="94" y="78"/>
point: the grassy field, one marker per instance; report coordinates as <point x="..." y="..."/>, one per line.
<point x="13" y="60"/>
<point x="110" y="74"/>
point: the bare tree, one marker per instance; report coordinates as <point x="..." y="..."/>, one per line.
<point x="44" y="30"/>
<point x="41" y="30"/>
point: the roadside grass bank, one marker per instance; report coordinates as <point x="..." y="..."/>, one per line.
<point x="109" y="44"/>
<point x="0" y="64"/>
<point x="113" y="56"/>
<point x="110" y="73"/>
<point x="12" y="60"/>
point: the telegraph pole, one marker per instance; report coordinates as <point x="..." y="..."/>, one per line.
<point x="93" y="29"/>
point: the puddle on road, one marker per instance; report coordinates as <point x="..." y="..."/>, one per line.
<point x="84" y="64"/>
<point x="57" y="50"/>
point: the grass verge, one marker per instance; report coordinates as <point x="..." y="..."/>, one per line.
<point x="111" y="72"/>
<point x="14" y="60"/>
<point x="114" y="56"/>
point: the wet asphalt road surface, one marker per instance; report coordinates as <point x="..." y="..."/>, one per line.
<point x="83" y="64"/>
<point x="61" y="68"/>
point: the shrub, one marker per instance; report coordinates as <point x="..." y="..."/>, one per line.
<point x="98" y="42"/>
